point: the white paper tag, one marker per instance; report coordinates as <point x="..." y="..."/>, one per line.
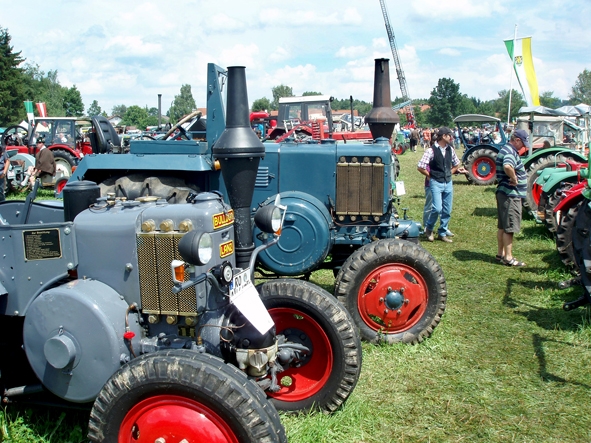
<point x="245" y="297"/>
<point x="400" y="188"/>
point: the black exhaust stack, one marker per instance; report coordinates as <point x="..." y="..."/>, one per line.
<point x="382" y="118"/>
<point x="239" y="152"/>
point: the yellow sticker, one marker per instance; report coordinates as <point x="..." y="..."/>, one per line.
<point x="223" y="219"/>
<point x="226" y="249"/>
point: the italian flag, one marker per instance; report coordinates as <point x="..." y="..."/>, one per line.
<point x="29" y="108"/>
<point x="523" y="63"/>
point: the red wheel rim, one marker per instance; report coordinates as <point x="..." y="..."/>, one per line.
<point x="405" y="286"/>
<point x="398" y="150"/>
<point x="174" y="418"/>
<point x="311" y="377"/>
<point x="536" y="193"/>
<point x="61" y="185"/>
<point x="484" y="168"/>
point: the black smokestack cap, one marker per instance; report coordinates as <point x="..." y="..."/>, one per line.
<point x="239" y="152"/>
<point x="382" y="118"/>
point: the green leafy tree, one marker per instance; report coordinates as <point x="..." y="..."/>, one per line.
<point x="183" y="104"/>
<point x="445" y="102"/>
<point x="308" y="93"/>
<point x="135" y="116"/>
<point x="547" y="99"/>
<point x="153" y="112"/>
<point x="94" y="109"/>
<point x="73" y="105"/>
<point x="261" y="104"/>
<point x="278" y="92"/>
<point x="11" y="81"/>
<point x="581" y="91"/>
<point x="502" y="104"/>
<point x="119" y="110"/>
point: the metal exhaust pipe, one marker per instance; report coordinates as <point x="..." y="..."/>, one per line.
<point x="239" y="152"/>
<point x="382" y="118"/>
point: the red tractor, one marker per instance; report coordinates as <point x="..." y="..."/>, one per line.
<point x="62" y="136"/>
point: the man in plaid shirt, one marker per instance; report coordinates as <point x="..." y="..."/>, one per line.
<point x="438" y="164"/>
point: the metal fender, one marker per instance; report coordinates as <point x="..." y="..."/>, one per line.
<point x="553" y="152"/>
<point x="306" y="237"/>
<point x="73" y="338"/>
<point x="27" y="158"/>
<point x="572" y="197"/>
<point x="557" y="177"/>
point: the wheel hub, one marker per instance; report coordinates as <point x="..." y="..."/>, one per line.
<point x="394" y="299"/>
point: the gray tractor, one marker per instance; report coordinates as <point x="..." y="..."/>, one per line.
<point x="145" y="311"/>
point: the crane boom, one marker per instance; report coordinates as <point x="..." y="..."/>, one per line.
<point x="397" y="64"/>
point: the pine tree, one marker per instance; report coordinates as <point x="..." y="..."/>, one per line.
<point x="11" y="82"/>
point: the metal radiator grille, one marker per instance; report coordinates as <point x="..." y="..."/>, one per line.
<point x="360" y="187"/>
<point x="155" y="252"/>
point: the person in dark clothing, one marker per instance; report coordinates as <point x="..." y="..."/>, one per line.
<point x="438" y="164"/>
<point x="44" y="164"/>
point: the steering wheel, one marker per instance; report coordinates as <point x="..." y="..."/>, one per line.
<point x="15" y="135"/>
<point x="180" y="123"/>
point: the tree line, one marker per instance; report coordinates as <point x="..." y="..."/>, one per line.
<point x="21" y="80"/>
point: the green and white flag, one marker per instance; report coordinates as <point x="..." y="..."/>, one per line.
<point x="29" y="109"/>
<point x="523" y="63"/>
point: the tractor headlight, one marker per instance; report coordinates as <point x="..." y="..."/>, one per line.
<point x="269" y="219"/>
<point x="196" y="247"/>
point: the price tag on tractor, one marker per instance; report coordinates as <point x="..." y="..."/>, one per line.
<point x="245" y="297"/>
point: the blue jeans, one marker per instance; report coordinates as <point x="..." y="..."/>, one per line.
<point x="442" y="194"/>
<point x="428" y="204"/>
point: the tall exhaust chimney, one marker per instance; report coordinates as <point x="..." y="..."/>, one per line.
<point x="239" y="152"/>
<point x="382" y="118"/>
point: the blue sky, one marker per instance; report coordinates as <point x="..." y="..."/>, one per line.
<point x="127" y="52"/>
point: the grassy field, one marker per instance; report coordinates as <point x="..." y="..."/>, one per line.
<point x="506" y="364"/>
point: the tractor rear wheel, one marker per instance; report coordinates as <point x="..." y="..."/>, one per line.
<point x="180" y="394"/>
<point x="308" y="315"/>
<point x="551" y="202"/>
<point x="481" y="166"/>
<point x="65" y="159"/>
<point x="564" y="235"/>
<point x="395" y="291"/>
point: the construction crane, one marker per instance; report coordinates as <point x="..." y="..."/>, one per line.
<point x="399" y="72"/>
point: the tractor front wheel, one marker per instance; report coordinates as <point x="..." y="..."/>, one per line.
<point x="181" y="395"/>
<point x="394" y="289"/>
<point x="309" y="316"/>
<point x="481" y="166"/>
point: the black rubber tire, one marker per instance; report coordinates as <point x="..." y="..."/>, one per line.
<point x="551" y="202"/>
<point x="201" y="378"/>
<point x="582" y="246"/>
<point x="65" y="158"/>
<point x="564" y="235"/>
<point x="396" y="166"/>
<point x="580" y="232"/>
<point x="532" y="175"/>
<point x="404" y="259"/>
<point x="470" y="164"/>
<point x="314" y="304"/>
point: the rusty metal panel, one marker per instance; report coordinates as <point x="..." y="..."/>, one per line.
<point x="342" y="188"/>
<point x="377" y="189"/>
<point x="354" y="187"/>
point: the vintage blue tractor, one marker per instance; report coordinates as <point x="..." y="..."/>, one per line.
<point x="145" y="311"/>
<point x="340" y="200"/>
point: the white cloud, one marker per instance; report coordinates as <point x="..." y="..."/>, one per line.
<point x="450" y="51"/>
<point x="351" y="51"/>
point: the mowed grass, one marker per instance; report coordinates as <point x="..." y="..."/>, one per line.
<point x="506" y="364"/>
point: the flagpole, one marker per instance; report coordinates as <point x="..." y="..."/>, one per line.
<point x="511" y="78"/>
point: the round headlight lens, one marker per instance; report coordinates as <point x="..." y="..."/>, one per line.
<point x="276" y="219"/>
<point x="205" y="248"/>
